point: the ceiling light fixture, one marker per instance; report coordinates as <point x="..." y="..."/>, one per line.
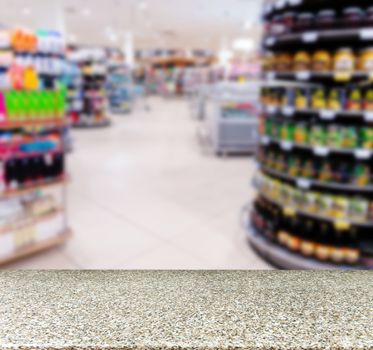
<point x="243" y="44"/>
<point x="225" y="56"/>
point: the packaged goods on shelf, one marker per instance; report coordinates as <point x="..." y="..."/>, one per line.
<point x="314" y="208"/>
<point x="351" y="99"/>
<point x="354" y="209"/>
<point x="119" y="85"/>
<point x="326" y="18"/>
<point x="87" y="91"/>
<point x="32" y="153"/>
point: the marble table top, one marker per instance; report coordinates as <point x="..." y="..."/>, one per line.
<point x="189" y="310"/>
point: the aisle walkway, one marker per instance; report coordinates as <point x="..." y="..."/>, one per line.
<point x="144" y="195"/>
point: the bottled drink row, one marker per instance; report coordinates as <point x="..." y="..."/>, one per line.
<point x="311" y="134"/>
<point x="341" y="207"/>
<point x="312" y="238"/>
<point x="337" y="170"/>
<point x="33" y="170"/>
<point x="17" y="106"/>
<point x="352" y="99"/>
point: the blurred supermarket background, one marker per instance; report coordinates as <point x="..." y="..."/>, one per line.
<point x="186" y="134"/>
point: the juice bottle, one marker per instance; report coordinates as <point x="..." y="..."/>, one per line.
<point x="31" y="80"/>
<point x="50" y="104"/>
<point x="61" y="103"/>
<point x="33" y="105"/>
<point x="18" y="110"/>
<point x="26" y="105"/>
<point x="9" y="104"/>
<point x="3" y="114"/>
<point x="43" y="103"/>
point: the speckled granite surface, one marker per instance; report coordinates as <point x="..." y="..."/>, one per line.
<point x="186" y="310"/>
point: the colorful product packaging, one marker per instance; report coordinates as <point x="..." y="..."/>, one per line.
<point x="318" y="99"/>
<point x="318" y="136"/>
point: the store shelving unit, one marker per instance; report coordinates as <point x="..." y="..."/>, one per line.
<point x="90" y="96"/>
<point x="32" y="144"/>
<point x="276" y="7"/>
<point x="119" y="84"/>
<point x="74" y="84"/>
<point x="314" y="208"/>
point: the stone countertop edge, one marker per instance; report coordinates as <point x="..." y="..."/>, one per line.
<point x="186" y="310"/>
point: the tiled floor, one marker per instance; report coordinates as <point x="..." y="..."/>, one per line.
<point x="144" y="195"/>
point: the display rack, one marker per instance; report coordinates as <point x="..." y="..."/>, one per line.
<point x="73" y="81"/>
<point x="32" y="143"/>
<point x="119" y="85"/>
<point x="232" y="126"/>
<point x="90" y="96"/>
<point x="315" y="203"/>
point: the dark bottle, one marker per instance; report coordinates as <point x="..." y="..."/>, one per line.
<point x="58" y="165"/>
<point x="25" y="175"/>
<point x="308" y="245"/>
<point x="37" y="165"/>
<point x="48" y="165"/>
<point x="271" y="222"/>
<point x="323" y="246"/>
<point x="10" y="173"/>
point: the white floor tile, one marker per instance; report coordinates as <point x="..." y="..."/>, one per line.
<point x="165" y="257"/>
<point x="144" y="194"/>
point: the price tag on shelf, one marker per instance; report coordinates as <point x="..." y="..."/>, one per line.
<point x="368" y="116"/>
<point x="271" y="75"/>
<point x="321" y="151"/>
<point x="366" y="34"/>
<point x="295" y="2"/>
<point x="270" y="41"/>
<point x="286" y="145"/>
<point x="310" y="37"/>
<point x="363" y="153"/>
<point x="288" y="111"/>
<point x="342" y="76"/>
<point x="280" y="4"/>
<point x="342" y="225"/>
<point x="303" y="76"/>
<point x="327" y="114"/>
<point x="304" y="184"/>
<point x="271" y="109"/>
<point x="265" y="140"/>
<point x="289" y="211"/>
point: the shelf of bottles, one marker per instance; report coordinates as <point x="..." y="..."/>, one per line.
<point x="314" y="207"/>
<point x="73" y="81"/>
<point x="119" y="88"/>
<point x="32" y="150"/>
<point x="119" y="83"/>
<point x="87" y="72"/>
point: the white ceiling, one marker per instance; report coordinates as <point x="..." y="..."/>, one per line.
<point x="185" y="24"/>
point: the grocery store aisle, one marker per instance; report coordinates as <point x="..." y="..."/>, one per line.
<point x="144" y="195"/>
